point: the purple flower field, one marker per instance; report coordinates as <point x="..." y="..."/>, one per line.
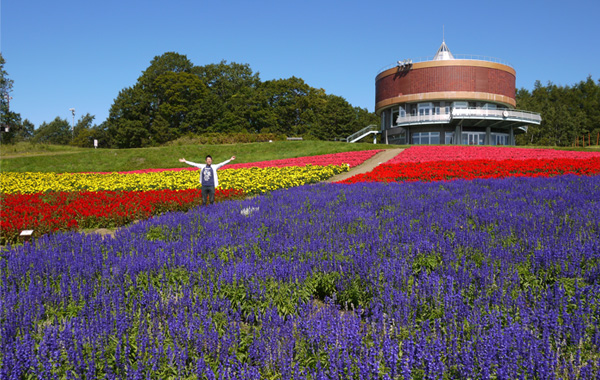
<point x="482" y="279"/>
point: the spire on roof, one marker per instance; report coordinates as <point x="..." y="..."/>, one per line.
<point x="443" y="53"/>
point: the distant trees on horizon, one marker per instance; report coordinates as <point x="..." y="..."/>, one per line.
<point x="173" y="98"/>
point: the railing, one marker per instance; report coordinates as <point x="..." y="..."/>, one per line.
<point x="472" y="57"/>
<point x="365" y="131"/>
<point x="424" y="119"/>
<point x="465" y="113"/>
<point x="471" y="113"/>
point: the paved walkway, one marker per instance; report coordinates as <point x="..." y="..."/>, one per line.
<point x="368" y="165"/>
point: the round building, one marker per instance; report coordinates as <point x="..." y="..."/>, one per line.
<point x="448" y="100"/>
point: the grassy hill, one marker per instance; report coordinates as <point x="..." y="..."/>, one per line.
<point x="50" y="158"/>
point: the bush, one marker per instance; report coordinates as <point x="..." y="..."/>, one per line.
<point x="222" y="138"/>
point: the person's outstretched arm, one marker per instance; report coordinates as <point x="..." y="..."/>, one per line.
<point x="224" y="162"/>
<point x="192" y="163"/>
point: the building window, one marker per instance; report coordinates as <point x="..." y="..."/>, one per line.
<point x="425" y="109"/>
<point x="426" y="138"/>
<point x="460" y="105"/>
<point x="499" y="139"/>
<point x="394" y="117"/>
<point x="449" y="138"/>
<point x="473" y="138"/>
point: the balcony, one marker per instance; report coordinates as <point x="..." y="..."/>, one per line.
<point x="474" y="116"/>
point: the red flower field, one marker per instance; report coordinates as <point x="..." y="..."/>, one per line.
<point x="62" y="211"/>
<point x="424" y="153"/>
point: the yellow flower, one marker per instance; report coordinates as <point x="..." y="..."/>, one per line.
<point x="252" y="180"/>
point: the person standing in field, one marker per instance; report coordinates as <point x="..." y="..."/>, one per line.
<point x="208" y="177"/>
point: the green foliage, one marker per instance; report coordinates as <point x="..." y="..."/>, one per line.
<point x="173" y="98"/>
<point x="570" y="114"/>
<point x="8" y="119"/>
<point x="56" y="132"/>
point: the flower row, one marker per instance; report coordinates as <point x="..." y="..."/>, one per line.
<point x="351" y="159"/>
<point x="61" y="211"/>
<point x="251" y="180"/>
<point x="489" y="279"/>
<point x="471" y="169"/>
<point x="422" y="153"/>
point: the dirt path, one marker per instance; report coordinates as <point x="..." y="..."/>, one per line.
<point x="368" y="165"/>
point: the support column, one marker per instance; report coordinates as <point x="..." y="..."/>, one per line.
<point x="512" y="136"/>
<point x="458" y="134"/>
<point x="488" y="136"/>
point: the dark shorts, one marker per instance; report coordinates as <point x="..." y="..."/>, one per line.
<point x="208" y="193"/>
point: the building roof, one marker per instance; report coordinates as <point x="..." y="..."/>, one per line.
<point x="443" y="53"/>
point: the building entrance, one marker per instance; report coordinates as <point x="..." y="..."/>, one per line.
<point x="473" y="138"/>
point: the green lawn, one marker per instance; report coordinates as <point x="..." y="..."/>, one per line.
<point x="45" y="158"/>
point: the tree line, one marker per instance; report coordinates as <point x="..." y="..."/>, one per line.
<point x="173" y="99"/>
<point x="570" y="114"/>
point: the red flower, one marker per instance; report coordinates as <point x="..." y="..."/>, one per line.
<point x="61" y="211"/>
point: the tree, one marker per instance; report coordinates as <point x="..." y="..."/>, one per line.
<point x="173" y="98"/>
<point x="569" y="113"/>
<point x="166" y="102"/>
<point x="128" y="121"/>
<point x="82" y="132"/>
<point x="8" y="119"/>
<point x="26" y="130"/>
<point x="56" y="132"/>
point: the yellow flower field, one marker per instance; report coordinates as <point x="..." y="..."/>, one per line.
<point x="252" y="180"/>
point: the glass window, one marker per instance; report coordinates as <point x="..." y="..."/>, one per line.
<point x="425" y="108"/>
<point x="425" y="138"/>
<point x="460" y="104"/>
<point x="394" y="117"/>
<point x="449" y="138"/>
<point x="499" y="139"/>
<point x="473" y="138"/>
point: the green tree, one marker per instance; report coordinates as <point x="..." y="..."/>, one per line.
<point x="166" y="102"/>
<point x="56" y="132"/>
<point x="129" y="119"/>
<point x="173" y="98"/>
<point x="82" y="132"/>
<point x="569" y="113"/>
<point x="9" y="121"/>
<point x="26" y="130"/>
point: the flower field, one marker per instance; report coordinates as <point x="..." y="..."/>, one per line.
<point x="424" y="153"/>
<point x="62" y="211"/>
<point x="471" y="169"/>
<point x="351" y="159"/>
<point x="251" y="180"/>
<point x="48" y="202"/>
<point x="439" y="163"/>
<point x="487" y="278"/>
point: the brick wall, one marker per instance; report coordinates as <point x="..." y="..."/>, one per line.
<point x="445" y="78"/>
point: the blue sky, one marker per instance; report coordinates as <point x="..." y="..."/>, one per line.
<point x="65" y="54"/>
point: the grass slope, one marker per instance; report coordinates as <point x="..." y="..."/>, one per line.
<point x="69" y="159"/>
